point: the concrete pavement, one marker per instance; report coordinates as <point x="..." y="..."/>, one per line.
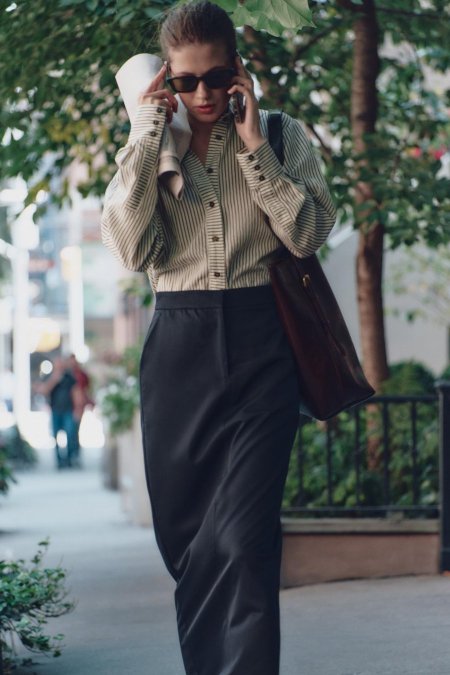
<point x="124" y="622"/>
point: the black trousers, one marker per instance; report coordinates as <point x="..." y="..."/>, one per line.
<point x="219" y="404"/>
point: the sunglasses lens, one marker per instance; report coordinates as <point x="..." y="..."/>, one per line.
<point x="183" y="84"/>
<point x="218" y="79"/>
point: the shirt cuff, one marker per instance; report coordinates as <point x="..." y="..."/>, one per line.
<point x="148" y="123"/>
<point x="259" y="166"/>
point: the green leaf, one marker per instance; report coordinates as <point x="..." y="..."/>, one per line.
<point x="273" y="16"/>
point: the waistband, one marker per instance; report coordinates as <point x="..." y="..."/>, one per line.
<point x="250" y="296"/>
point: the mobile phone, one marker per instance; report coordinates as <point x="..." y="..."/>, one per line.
<point x="237" y="106"/>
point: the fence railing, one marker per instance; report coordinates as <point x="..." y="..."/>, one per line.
<point x="390" y="455"/>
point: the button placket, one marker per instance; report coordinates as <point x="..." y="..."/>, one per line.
<point x="209" y="190"/>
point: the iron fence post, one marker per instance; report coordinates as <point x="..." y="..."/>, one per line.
<point x="443" y="388"/>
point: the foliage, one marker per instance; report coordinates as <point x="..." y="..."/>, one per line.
<point x="119" y="398"/>
<point x="29" y="595"/>
<point x="424" y="276"/>
<point x="309" y="75"/>
<point x="407" y="378"/>
<point x="137" y="287"/>
<point x="17" y="449"/>
<point x="68" y="104"/>
<point x="66" y="107"/>
<point x="6" y="472"/>
<point x="273" y="16"/>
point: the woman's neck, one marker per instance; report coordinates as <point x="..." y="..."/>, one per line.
<point x="200" y="129"/>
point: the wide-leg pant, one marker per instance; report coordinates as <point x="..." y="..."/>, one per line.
<point x="219" y="404"/>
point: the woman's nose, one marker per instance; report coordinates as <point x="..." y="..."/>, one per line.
<point x="202" y="89"/>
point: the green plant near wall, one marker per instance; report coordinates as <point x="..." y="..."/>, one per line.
<point x="6" y="472"/>
<point x="29" y="596"/>
<point x="18" y="451"/>
<point x="407" y="378"/>
<point x="119" y="398"/>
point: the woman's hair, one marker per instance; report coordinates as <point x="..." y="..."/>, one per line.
<point x="199" y="21"/>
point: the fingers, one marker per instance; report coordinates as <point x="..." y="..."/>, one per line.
<point x="155" y="95"/>
<point x="244" y="87"/>
<point x="157" y="81"/>
<point x="163" y="96"/>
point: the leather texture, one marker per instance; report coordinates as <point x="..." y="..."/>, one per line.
<point x="330" y="375"/>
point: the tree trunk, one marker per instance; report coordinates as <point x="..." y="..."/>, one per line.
<point x="369" y="264"/>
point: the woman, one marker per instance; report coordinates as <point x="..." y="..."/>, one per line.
<point x="219" y="393"/>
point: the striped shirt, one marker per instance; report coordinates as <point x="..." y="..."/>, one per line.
<point x="235" y="209"/>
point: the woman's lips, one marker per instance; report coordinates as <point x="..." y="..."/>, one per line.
<point x="205" y="108"/>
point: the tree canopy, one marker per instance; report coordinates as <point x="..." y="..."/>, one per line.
<point x="60" y="99"/>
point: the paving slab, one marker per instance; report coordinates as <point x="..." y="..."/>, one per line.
<point x="124" y="621"/>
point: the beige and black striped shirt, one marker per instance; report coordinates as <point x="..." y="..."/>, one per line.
<point x="234" y="211"/>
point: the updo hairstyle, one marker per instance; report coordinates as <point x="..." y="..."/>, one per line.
<point x="199" y="21"/>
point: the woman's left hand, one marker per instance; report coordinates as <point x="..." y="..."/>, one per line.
<point x="249" y="129"/>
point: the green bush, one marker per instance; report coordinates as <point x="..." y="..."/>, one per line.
<point x="18" y="451"/>
<point x="119" y="398"/>
<point x="311" y="446"/>
<point x="29" y="595"/>
<point x="6" y="472"/>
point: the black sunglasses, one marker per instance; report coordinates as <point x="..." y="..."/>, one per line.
<point x="216" y="79"/>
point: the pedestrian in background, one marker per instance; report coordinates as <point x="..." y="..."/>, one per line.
<point x="58" y="389"/>
<point x="219" y="392"/>
<point x="81" y="398"/>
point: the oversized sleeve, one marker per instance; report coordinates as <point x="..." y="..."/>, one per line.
<point x="131" y="225"/>
<point x="294" y="196"/>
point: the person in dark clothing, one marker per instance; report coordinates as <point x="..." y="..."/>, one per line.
<point x="80" y="399"/>
<point x="58" y="389"/>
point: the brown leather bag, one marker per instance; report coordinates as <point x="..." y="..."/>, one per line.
<point x="330" y="376"/>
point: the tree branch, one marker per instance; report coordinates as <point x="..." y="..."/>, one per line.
<point x="318" y="36"/>
<point x="326" y="149"/>
<point x="348" y="4"/>
<point x="417" y="15"/>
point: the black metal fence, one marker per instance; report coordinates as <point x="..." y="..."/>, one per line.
<point x="388" y="456"/>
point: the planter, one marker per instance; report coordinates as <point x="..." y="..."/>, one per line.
<point x="110" y="468"/>
<point x="131" y="475"/>
<point x="319" y="550"/>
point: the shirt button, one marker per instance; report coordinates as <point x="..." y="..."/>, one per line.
<point x="153" y="133"/>
<point x="209" y="170"/>
<point x="215" y="238"/>
<point x="261" y="177"/>
<point x="257" y="167"/>
<point x="217" y="274"/>
<point x="211" y="204"/>
<point x="251" y="157"/>
<point x="218" y="137"/>
<point x="159" y="109"/>
<point x="155" y="121"/>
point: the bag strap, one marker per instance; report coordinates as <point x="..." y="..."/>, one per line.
<point x="275" y="133"/>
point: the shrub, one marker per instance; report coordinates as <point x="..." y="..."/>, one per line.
<point x="18" y="451"/>
<point x="28" y="597"/>
<point x="6" y="472"/>
<point x="119" y="398"/>
<point x="407" y="378"/>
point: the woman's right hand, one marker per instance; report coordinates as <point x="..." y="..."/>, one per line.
<point x="163" y="97"/>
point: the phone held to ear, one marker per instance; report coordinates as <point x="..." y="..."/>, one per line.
<point x="237" y="106"/>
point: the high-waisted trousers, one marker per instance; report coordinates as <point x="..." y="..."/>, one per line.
<point x="220" y="406"/>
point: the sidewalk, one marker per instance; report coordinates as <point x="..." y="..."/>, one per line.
<point x="124" y="621"/>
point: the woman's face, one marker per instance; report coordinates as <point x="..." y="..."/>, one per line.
<point x="204" y="105"/>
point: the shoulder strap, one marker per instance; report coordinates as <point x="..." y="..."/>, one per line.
<point x="275" y="134"/>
